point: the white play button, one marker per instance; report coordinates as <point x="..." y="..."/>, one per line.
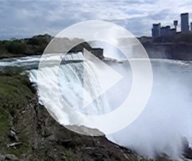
<point x="79" y="98"/>
<point x="105" y="76"/>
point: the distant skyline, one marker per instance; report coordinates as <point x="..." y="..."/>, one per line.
<point x="25" y="18"/>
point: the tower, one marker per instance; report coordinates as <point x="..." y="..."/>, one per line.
<point x="175" y="23"/>
<point x="191" y="26"/>
<point x="156" y="30"/>
<point x="185" y="22"/>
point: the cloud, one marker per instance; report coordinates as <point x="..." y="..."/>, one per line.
<point x="24" y="18"/>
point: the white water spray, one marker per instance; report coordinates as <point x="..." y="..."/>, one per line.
<point x="160" y="129"/>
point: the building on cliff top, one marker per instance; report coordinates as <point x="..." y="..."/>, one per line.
<point x="166" y="31"/>
<point x="184" y="22"/>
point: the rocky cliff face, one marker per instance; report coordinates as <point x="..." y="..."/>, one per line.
<point x="176" y="51"/>
<point x="29" y="133"/>
<point x="45" y="139"/>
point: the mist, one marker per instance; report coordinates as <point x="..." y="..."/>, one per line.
<point x="166" y="121"/>
<point x="164" y="124"/>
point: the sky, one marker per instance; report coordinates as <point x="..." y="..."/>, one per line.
<point x="25" y="18"/>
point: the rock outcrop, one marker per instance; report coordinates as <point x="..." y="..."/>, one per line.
<point x="29" y="133"/>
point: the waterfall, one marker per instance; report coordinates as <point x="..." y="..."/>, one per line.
<point x="160" y="129"/>
<point x="163" y="125"/>
<point x="75" y="88"/>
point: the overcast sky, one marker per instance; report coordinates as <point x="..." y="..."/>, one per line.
<point x="23" y="18"/>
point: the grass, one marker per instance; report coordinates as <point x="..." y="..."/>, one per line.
<point x="15" y="93"/>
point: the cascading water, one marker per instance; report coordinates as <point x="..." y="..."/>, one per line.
<point x="74" y="87"/>
<point x="163" y="125"/>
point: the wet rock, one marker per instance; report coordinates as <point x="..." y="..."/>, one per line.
<point x="2" y="158"/>
<point x="11" y="157"/>
<point x="14" y="145"/>
<point x="8" y="157"/>
<point x="13" y="135"/>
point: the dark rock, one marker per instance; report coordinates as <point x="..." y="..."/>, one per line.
<point x="11" y="157"/>
<point x="8" y="157"/>
<point x="175" y="51"/>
